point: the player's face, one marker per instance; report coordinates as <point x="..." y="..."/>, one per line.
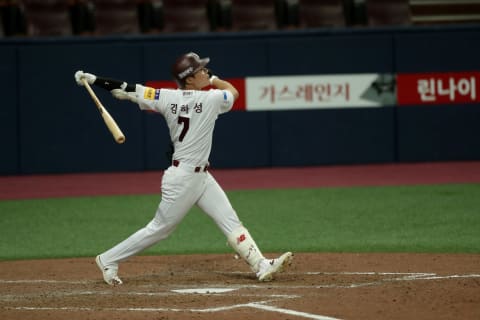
<point x="200" y="79"/>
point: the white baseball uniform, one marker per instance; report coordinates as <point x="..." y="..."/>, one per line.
<point x="190" y="116"/>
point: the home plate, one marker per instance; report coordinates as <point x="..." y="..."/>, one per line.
<point x="204" y="290"/>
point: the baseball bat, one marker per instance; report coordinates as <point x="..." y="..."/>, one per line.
<point x="107" y="118"/>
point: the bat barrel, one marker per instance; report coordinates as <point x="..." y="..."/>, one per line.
<point x="107" y="118"/>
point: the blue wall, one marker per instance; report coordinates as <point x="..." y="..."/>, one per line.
<point x="50" y="125"/>
<point x="9" y="135"/>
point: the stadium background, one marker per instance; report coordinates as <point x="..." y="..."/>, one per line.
<point x="49" y="127"/>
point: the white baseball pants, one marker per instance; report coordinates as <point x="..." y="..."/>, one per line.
<point x="181" y="189"/>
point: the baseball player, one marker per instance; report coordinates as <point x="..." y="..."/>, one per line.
<point x="190" y="114"/>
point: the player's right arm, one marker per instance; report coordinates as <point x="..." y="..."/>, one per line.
<point x="224" y="85"/>
<point x="136" y="93"/>
<point x="119" y="89"/>
<point x="102" y="82"/>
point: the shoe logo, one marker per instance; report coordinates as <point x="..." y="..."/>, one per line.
<point x="241" y="239"/>
<point x="272" y="262"/>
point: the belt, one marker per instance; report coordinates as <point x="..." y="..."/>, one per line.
<point x="176" y="163"/>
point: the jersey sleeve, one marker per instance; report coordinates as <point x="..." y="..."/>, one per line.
<point x="226" y="100"/>
<point x="149" y="98"/>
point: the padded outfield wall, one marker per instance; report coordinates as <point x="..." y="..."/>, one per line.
<point x="50" y="125"/>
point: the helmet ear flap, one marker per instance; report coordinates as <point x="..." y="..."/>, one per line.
<point x="180" y="84"/>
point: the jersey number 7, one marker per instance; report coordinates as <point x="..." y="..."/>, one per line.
<point x="186" y="125"/>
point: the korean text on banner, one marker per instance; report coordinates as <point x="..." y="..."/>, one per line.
<point x="319" y="91"/>
<point x="438" y="88"/>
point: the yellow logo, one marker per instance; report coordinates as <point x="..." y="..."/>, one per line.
<point x="149" y="94"/>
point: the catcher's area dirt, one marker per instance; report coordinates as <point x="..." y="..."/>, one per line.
<point x="317" y="286"/>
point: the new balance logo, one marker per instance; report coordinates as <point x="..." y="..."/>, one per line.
<point x="241" y="239"/>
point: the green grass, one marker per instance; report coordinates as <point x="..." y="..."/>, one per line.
<point x="440" y="218"/>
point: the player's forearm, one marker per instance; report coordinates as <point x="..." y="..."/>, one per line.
<point x="110" y="84"/>
<point x="119" y="89"/>
<point x="225" y="85"/>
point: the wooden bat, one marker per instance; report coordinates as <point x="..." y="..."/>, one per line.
<point x="107" y="118"/>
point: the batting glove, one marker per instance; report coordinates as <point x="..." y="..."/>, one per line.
<point x="79" y="75"/>
<point x="211" y="77"/>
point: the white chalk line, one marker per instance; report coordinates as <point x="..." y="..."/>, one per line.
<point x="74" y="293"/>
<point x="37" y="281"/>
<point x="290" y="312"/>
<point x="405" y="276"/>
<point x="262" y="305"/>
<point x="402" y="276"/>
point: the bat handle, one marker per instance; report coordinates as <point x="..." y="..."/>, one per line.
<point x="93" y="95"/>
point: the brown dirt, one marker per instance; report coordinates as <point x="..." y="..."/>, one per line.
<point x="317" y="286"/>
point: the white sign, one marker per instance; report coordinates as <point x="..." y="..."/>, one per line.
<point x="319" y="91"/>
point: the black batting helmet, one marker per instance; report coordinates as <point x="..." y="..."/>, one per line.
<point x="186" y="65"/>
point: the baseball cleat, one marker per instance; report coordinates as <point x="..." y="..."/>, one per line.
<point x="109" y="274"/>
<point x="268" y="268"/>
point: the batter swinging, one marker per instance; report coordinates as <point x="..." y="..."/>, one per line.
<point x="190" y="114"/>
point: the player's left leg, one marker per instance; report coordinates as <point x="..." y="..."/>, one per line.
<point x="215" y="203"/>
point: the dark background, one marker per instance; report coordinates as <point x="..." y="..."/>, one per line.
<point x="50" y="125"/>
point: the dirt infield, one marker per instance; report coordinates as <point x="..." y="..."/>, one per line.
<point x="317" y="286"/>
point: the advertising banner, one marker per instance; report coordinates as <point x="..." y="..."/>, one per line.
<point x="276" y="93"/>
<point x="438" y="88"/>
<point x="319" y="91"/>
